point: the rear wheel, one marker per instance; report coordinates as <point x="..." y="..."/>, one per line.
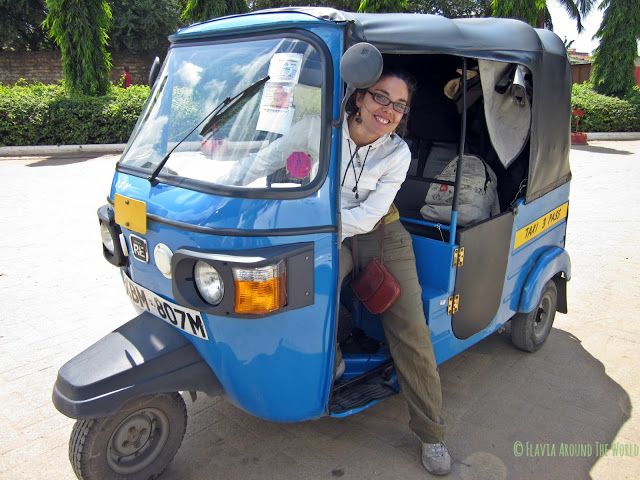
<point x="530" y="330"/>
<point x="136" y="443"/>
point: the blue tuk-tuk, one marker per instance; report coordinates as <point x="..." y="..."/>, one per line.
<point x="237" y="282"/>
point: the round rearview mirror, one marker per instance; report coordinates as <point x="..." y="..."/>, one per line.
<point x="361" y="65"/>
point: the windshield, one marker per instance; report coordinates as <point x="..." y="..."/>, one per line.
<point x="269" y="138"/>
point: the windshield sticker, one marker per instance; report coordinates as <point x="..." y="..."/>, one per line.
<point x="277" y="97"/>
<point x="276" y="105"/>
<point x="285" y="67"/>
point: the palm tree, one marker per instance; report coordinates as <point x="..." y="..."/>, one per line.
<point x="536" y="13"/>
<point x="614" y="59"/>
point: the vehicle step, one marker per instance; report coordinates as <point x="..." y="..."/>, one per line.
<point x="374" y="385"/>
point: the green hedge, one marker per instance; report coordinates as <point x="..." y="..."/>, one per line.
<point x="606" y="114"/>
<point x="41" y="114"/>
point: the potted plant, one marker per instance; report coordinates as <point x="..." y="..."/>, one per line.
<point x="578" y="137"/>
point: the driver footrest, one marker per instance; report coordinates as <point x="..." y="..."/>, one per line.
<point x="358" y="392"/>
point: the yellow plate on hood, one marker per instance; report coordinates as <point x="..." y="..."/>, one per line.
<point x="130" y="213"/>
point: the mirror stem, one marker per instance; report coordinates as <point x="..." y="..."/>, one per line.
<point x="343" y="106"/>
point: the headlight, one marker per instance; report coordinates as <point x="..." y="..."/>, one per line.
<point x="107" y="239"/>
<point x="209" y="282"/>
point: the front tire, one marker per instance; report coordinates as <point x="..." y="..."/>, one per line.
<point x="136" y="443"/>
<point x="530" y="330"/>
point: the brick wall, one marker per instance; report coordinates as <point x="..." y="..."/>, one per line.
<point x="580" y="72"/>
<point x="45" y="66"/>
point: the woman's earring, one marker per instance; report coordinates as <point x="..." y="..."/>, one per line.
<point x="358" y="117"/>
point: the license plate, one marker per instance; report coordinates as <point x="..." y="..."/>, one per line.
<point x="186" y="319"/>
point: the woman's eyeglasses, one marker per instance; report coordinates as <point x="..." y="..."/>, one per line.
<point x="383" y="100"/>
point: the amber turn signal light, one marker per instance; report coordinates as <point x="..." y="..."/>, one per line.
<point x="260" y="290"/>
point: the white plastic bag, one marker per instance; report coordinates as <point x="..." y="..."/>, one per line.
<point x="478" y="193"/>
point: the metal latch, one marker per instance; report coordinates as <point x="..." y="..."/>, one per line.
<point x="454" y="303"/>
<point x="458" y="257"/>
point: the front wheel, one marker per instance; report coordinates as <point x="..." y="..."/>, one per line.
<point x="136" y="443"/>
<point x="530" y="330"/>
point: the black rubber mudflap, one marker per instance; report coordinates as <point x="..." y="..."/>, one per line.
<point x="358" y="392"/>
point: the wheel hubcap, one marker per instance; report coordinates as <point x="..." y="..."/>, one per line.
<point x="138" y="440"/>
<point x="542" y="316"/>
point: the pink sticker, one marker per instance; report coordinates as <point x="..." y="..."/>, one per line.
<point x="298" y="165"/>
<point x="211" y="146"/>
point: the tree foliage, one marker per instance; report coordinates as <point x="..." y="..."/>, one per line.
<point x="452" y="8"/>
<point x="536" y="13"/>
<point x="80" y="28"/>
<point x="20" y="25"/>
<point x="142" y="25"/>
<point x="614" y="59"/>
<point x="382" y="6"/>
<point x="528" y="11"/>
<point x="201" y="10"/>
<point x="347" y="5"/>
<point x="448" y="8"/>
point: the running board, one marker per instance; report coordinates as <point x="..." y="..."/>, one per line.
<point x="376" y="384"/>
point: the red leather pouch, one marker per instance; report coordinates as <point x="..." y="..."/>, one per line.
<point x="376" y="287"/>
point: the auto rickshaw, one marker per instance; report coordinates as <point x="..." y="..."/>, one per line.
<point x="237" y="282"/>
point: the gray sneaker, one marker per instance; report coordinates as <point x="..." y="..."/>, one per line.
<point x="436" y="458"/>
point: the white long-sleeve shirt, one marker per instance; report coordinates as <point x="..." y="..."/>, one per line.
<point x="380" y="168"/>
<point x="379" y="179"/>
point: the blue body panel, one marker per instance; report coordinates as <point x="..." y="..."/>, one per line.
<point x="278" y="367"/>
<point x="551" y="261"/>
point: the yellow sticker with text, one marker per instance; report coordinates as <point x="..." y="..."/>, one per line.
<point x="541" y="225"/>
<point x="130" y="213"/>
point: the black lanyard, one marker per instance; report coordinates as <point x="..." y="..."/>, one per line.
<point x="353" y="167"/>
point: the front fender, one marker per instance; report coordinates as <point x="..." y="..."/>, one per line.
<point x="143" y="356"/>
<point x="552" y="261"/>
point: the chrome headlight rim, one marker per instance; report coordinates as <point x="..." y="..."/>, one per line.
<point x="118" y="257"/>
<point x="108" y="242"/>
<point x="209" y="282"/>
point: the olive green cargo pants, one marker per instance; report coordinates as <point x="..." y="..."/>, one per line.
<point x="405" y="328"/>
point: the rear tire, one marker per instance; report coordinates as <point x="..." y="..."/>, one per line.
<point x="530" y="330"/>
<point x="136" y="443"/>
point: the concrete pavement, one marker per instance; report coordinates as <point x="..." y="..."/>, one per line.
<point x="507" y="411"/>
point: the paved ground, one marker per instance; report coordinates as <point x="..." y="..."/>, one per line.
<point x="58" y="296"/>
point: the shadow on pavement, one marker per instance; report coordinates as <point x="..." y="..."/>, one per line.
<point x="603" y="150"/>
<point x="509" y="414"/>
<point x="59" y="160"/>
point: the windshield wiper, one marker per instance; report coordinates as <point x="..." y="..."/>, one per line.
<point x="225" y="108"/>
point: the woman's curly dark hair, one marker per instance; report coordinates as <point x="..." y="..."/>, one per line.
<point x="406" y="77"/>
